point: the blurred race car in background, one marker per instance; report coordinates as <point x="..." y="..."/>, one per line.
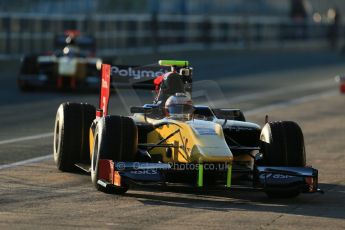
<point x="72" y="65"/>
<point x="340" y="79"/>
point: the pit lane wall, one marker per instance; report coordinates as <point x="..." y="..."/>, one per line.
<point x="146" y="33"/>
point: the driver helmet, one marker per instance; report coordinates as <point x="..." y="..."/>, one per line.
<point x="179" y="106"/>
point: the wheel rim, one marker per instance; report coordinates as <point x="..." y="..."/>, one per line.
<point x="56" y="139"/>
<point x="95" y="155"/>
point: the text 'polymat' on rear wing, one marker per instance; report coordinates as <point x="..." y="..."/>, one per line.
<point x="118" y="76"/>
<point x="136" y="74"/>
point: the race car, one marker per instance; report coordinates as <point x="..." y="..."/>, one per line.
<point x="73" y="65"/>
<point x="172" y="141"/>
<point x="341" y="81"/>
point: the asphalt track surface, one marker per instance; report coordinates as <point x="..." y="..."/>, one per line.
<point x="288" y="86"/>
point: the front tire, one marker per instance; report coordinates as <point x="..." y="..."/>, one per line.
<point x="116" y="139"/>
<point x="282" y="144"/>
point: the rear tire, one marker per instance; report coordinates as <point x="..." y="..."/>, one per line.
<point x="282" y="144"/>
<point x="70" y="135"/>
<point x="25" y="87"/>
<point x="29" y="66"/>
<point x="116" y="138"/>
<point x="89" y="115"/>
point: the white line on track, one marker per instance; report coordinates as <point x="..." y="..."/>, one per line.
<point x="28" y="138"/>
<point x="280" y="91"/>
<point x="325" y="94"/>
<point x="24" y="162"/>
<point x="297" y="101"/>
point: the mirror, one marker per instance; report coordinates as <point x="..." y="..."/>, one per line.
<point x="140" y="109"/>
<point x="229" y="114"/>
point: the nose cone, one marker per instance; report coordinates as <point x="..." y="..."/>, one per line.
<point x="210" y="145"/>
<point x="211" y="154"/>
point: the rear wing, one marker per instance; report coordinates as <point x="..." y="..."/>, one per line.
<point x="113" y="76"/>
<point x="124" y="76"/>
<point x="84" y="42"/>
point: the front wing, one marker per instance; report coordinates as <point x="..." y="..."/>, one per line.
<point x="305" y="179"/>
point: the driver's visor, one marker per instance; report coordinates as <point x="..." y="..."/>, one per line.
<point x="180" y="109"/>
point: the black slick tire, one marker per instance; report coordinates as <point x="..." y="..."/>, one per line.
<point x="282" y="144"/>
<point x="116" y="138"/>
<point x="71" y="134"/>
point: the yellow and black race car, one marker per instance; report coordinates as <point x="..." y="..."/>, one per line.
<point x="173" y="141"/>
